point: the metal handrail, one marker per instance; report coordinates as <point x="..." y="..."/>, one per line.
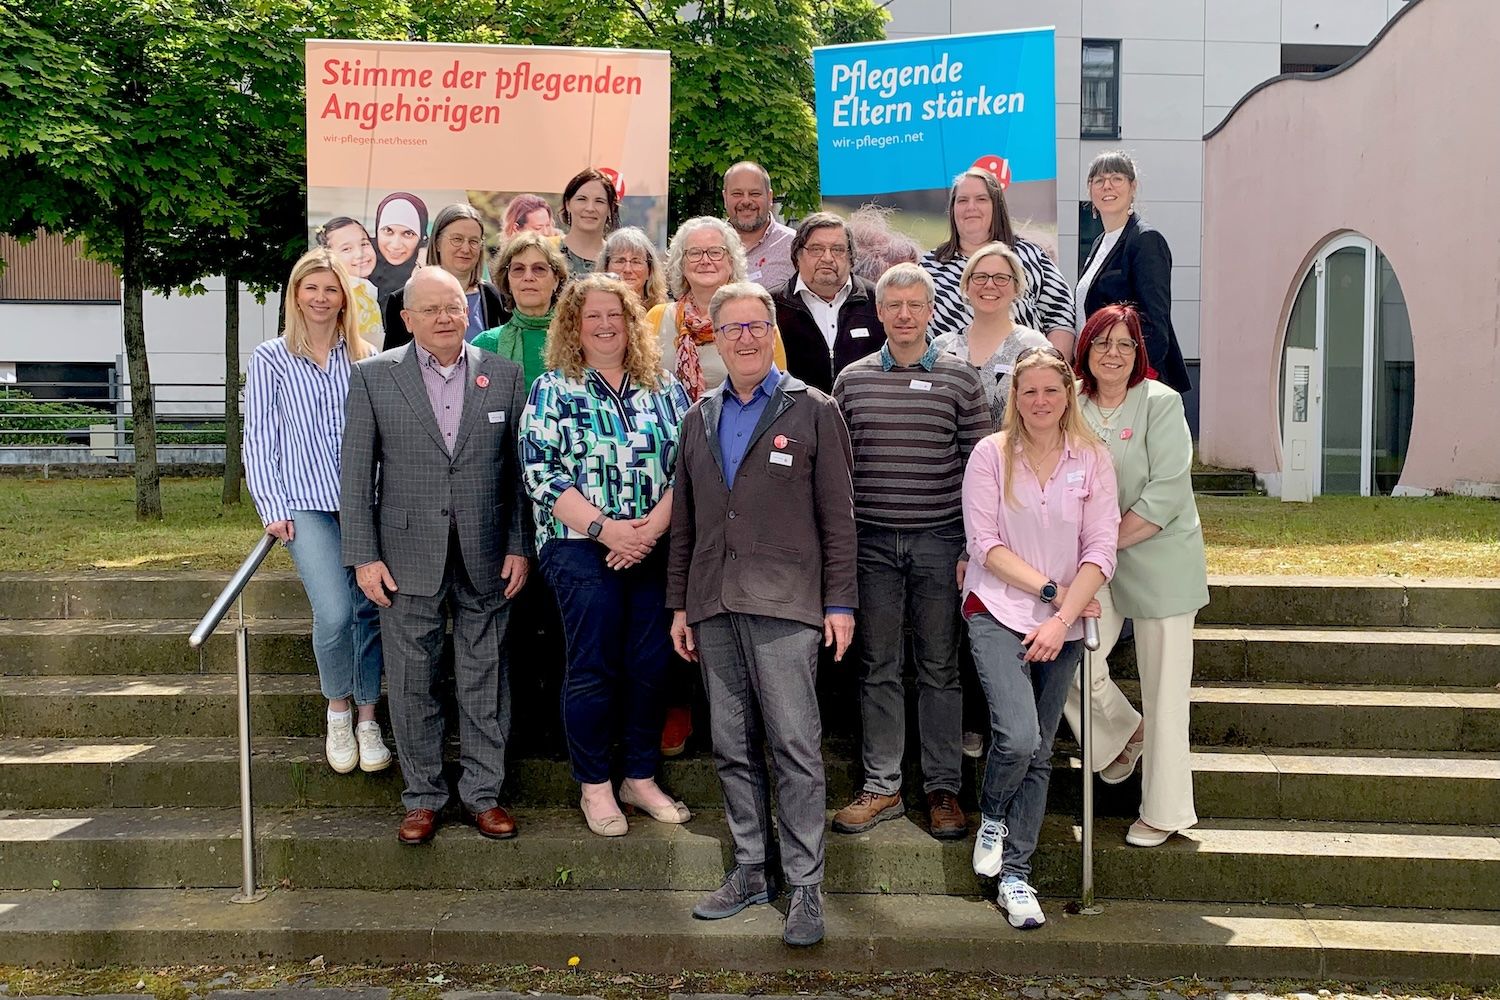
<point x="1086" y="746"/>
<point x="233" y="594"/>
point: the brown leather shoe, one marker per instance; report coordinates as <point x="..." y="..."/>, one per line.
<point x="495" y="823"/>
<point x="945" y="819"/>
<point x="866" y="811"/>
<point x="418" y="827"/>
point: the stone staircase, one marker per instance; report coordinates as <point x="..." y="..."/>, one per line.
<point x="1347" y="769"/>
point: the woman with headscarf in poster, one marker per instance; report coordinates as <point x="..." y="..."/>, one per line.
<point x="400" y="232"/>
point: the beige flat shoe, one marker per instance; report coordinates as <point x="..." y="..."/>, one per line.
<point x="676" y="813"/>
<point x="613" y="825"/>
<point x="1117" y="770"/>
<point x="1141" y="834"/>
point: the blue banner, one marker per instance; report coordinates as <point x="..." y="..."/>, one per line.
<point x="909" y="115"/>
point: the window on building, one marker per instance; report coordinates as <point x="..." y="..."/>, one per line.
<point x="1316" y="58"/>
<point x="1090" y="228"/>
<point x="1101" y="89"/>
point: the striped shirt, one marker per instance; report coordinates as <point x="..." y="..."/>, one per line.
<point x="294" y="428"/>
<point x="912" y="428"/>
<point x="1047" y="305"/>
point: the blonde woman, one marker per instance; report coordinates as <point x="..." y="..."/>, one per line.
<point x="294" y="426"/>
<point x="598" y="451"/>
<point x="1041" y="522"/>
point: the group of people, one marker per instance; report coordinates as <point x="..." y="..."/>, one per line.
<point x="752" y="457"/>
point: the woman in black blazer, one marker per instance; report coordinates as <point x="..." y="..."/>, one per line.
<point x="457" y="246"/>
<point x="1130" y="262"/>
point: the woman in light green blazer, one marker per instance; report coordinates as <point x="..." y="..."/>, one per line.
<point x="1160" y="580"/>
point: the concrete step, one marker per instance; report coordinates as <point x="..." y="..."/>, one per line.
<point x="58" y="773"/>
<point x="1404" y="656"/>
<point x="1220" y="860"/>
<point x="652" y="932"/>
<point x="1309" y="602"/>
<point x="1225" y="483"/>
<point x="1222" y="714"/>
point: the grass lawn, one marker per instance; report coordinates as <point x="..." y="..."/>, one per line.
<point x="79" y="524"/>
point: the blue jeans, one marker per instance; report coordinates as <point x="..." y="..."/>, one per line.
<point x="1026" y="704"/>
<point x="346" y="624"/>
<point x="618" y="631"/>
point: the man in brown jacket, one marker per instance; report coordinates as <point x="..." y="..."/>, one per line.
<point x="762" y="567"/>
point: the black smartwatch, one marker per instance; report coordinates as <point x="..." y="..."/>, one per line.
<point x="597" y="528"/>
<point x="1049" y="589"/>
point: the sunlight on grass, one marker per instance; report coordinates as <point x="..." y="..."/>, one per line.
<point x="84" y="524"/>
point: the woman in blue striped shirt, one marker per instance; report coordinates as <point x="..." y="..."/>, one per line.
<point x="294" y="428"/>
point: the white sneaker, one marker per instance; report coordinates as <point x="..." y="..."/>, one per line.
<point x="340" y="748"/>
<point x="1018" y="900"/>
<point x="989" y="847"/>
<point x="373" y="755"/>
<point x="973" y="744"/>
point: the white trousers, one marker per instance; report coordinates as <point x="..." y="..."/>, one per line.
<point x="1164" y="658"/>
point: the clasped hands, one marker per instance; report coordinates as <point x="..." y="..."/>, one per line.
<point x="628" y="541"/>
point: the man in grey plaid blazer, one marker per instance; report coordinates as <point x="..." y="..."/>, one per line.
<point x="434" y="515"/>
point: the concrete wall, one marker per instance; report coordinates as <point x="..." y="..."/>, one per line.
<point x="1400" y="147"/>
<point x="1183" y="64"/>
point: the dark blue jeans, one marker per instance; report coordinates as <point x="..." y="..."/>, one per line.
<point x="618" y="633"/>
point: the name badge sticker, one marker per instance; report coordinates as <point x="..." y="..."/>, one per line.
<point x="1076" y="476"/>
<point x="753" y="276"/>
<point x="858" y="332"/>
<point x="1004" y="369"/>
<point x="497" y="416"/>
<point x="781" y="458"/>
<point x="921" y="384"/>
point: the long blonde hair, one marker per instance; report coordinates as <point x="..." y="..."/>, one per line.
<point x="1076" y="430"/>
<point x="298" y="339"/>
<point x="564" y="349"/>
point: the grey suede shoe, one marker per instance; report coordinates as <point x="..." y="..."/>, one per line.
<point x="804" y="917"/>
<point x="743" y="886"/>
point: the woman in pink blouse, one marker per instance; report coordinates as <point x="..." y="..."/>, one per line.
<point x="1042" y="523"/>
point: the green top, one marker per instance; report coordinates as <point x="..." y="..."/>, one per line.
<point x="522" y="340"/>
<point x="1148" y="439"/>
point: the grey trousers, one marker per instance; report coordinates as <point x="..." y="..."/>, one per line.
<point x="760" y="676"/>
<point x="908" y="578"/>
<point x="412" y="629"/>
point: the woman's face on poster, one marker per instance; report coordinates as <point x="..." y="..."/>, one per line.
<point x="398" y="242"/>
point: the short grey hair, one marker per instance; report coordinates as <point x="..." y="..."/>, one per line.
<point x="676" y="282"/>
<point x="734" y="292"/>
<point x="905" y="275"/>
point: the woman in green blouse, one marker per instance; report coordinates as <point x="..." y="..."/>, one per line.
<point x="1160" y="579"/>
<point x="530" y="274"/>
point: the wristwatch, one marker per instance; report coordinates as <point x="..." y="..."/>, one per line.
<point x="597" y="528"/>
<point x="1049" y="591"/>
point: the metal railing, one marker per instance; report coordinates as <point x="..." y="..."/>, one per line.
<point x="233" y="594"/>
<point x="1086" y="748"/>
<point x="92" y="422"/>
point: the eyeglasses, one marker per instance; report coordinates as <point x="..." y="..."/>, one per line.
<point x="998" y="280"/>
<point x="457" y="242"/>
<point x="714" y="254"/>
<point x="1125" y="348"/>
<point x="1108" y="180"/>
<point x="756" y="329"/>
<point x="615" y="262"/>
<point x="433" y="312"/>
<point x="519" y="270"/>
<point x="836" y="251"/>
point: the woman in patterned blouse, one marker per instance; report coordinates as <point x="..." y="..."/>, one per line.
<point x="598" y="447"/>
<point x="977" y="215"/>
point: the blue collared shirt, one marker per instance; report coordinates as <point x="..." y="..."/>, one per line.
<point x="294" y="429"/>
<point x="927" y="360"/>
<point x="737" y="421"/>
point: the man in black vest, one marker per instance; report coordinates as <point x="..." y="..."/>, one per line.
<point x="826" y="315"/>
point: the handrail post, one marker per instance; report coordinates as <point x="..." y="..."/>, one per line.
<point x="1086" y="745"/>
<point x="248" y="892"/>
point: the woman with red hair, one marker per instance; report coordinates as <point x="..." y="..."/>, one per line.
<point x="1160" y="579"/>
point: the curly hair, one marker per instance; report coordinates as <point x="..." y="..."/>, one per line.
<point x="677" y="251"/>
<point x="564" y="348"/>
<point x="878" y="247"/>
<point x="528" y="239"/>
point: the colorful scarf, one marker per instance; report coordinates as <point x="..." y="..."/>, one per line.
<point x="693" y="331"/>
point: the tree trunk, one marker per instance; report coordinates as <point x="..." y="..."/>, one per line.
<point x="142" y="396"/>
<point x="233" y="469"/>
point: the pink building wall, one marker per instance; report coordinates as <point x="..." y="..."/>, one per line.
<point x="1403" y="147"/>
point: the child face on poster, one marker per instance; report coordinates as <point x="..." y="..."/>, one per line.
<point x="352" y="245"/>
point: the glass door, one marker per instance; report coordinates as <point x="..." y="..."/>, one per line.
<point x="1345" y="294"/>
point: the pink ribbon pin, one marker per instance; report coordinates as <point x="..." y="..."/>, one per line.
<point x="482" y="381"/>
<point x="1125" y="434"/>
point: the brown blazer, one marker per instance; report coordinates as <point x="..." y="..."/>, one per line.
<point x="782" y="542"/>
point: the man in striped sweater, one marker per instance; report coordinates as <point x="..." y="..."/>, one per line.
<point x="914" y="416"/>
